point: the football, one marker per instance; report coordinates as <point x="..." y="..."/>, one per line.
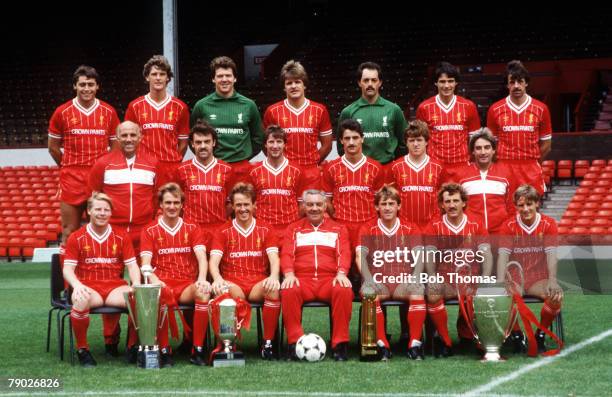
<point x="310" y="347"/>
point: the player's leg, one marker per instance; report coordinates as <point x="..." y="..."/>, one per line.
<point x="341" y="299"/>
<point x="79" y="319"/>
<point x="292" y="300"/>
<point x="550" y="308"/>
<point x="270" y="313"/>
<point x="191" y="294"/>
<point x="439" y="316"/>
<point x="417" y="312"/>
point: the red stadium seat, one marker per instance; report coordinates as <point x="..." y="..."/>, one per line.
<point x="563" y="230"/>
<point x="599" y="162"/>
<point x="584" y="191"/>
<point x="576" y="206"/>
<point x="601" y="222"/>
<point x="603" y="183"/>
<point x="586" y="222"/>
<point x="606" y="206"/>
<point x="594" y="198"/>
<point x="586" y="214"/>
<point x="581" y="168"/>
<point x="579" y="198"/>
<point x="599" y="190"/>
<point x="591" y="205"/>
<point x="604" y="214"/>
<point x="14" y="247"/>
<point x="606" y="175"/>
<point x="570" y="214"/>
<point x="564" y="168"/>
<point x="29" y="244"/>
<point x="591" y="176"/>
<point x="566" y="222"/>
<point x="3" y="246"/>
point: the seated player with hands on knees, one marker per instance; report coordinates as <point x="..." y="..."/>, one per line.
<point x="244" y="261"/>
<point x="388" y="275"/>
<point x="96" y="255"/>
<point x="173" y="255"/>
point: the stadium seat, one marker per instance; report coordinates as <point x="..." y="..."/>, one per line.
<point x="603" y="183"/>
<point x="563" y="230"/>
<point x="591" y="206"/>
<point x="603" y="222"/>
<point x="566" y="222"/>
<point x="604" y="214"/>
<point x="570" y="214"/>
<point x="576" y="206"/>
<point x="591" y="176"/>
<point x="594" y="198"/>
<point x="579" y="198"/>
<point x="586" y="214"/>
<point x="31" y="243"/>
<point x="599" y="162"/>
<point x="3" y="247"/>
<point x="564" y="168"/>
<point x="581" y="168"/>
<point x="599" y="190"/>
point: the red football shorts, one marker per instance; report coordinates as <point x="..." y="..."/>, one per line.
<point x="177" y="286"/>
<point x="74" y="185"/>
<point x="527" y="172"/>
<point x="240" y="172"/>
<point x="105" y="287"/>
<point x="246" y="284"/>
<point x="167" y="172"/>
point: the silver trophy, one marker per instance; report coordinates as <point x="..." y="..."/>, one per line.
<point x="228" y="330"/>
<point x="493" y="314"/>
<point x="146" y="304"/>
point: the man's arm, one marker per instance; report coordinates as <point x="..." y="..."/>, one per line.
<point x="134" y="273"/>
<point x="272" y="282"/>
<point x="545" y="148"/>
<point x="79" y="290"/>
<point x="326" y="147"/>
<point x="55" y="151"/>
<point x="256" y="127"/>
<point x="553" y="290"/>
<point x="182" y="146"/>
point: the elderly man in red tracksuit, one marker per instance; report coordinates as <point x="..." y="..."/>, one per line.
<point x="315" y="260"/>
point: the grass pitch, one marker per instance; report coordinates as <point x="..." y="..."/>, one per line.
<point x="24" y="295"/>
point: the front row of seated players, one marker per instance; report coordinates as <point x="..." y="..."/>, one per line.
<point x="315" y="259"/>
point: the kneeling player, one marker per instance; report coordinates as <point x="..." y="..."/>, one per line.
<point x="244" y="258"/>
<point x="94" y="263"/>
<point x="530" y="238"/>
<point x="176" y="250"/>
<point x="388" y="234"/>
<point x="453" y="242"/>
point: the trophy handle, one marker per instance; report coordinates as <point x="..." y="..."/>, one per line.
<point x="163" y="317"/>
<point x="510" y="283"/>
<point x="469" y="273"/>
<point x="126" y="296"/>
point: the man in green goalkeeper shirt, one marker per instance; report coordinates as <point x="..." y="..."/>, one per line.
<point x="235" y="118"/>
<point x="382" y="121"/>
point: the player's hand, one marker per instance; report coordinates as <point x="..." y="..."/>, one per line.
<point x="203" y="287"/>
<point x="81" y="293"/>
<point x="289" y="281"/>
<point x="219" y="286"/>
<point x="554" y="290"/>
<point x="342" y="280"/>
<point x="271" y="284"/>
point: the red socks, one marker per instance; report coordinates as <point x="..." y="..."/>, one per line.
<point x="437" y="313"/>
<point x="416" y="318"/>
<point x="200" y="322"/>
<point x="80" y="323"/>
<point x="270" y="313"/>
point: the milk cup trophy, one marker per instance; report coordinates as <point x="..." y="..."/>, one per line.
<point x="227" y="333"/>
<point x="369" y="348"/>
<point x="146" y="303"/>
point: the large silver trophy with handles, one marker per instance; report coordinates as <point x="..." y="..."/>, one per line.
<point x="493" y="315"/>
<point x="227" y="355"/>
<point x="145" y="303"/>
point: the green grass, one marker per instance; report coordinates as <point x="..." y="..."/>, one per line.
<point x="24" y="294"/>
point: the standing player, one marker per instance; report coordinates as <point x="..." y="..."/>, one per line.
<point x="488" y="184"/>
<point x="278" y="183"/>
<point x="176" y="250"/>
<point x="244" y="258"/>
<point x="205" y="180"/>
<point x="95" y="258"/>
<point x="351" y="180"/>
<point x="85" y="127"/>
<point x="451" y="119"/>
<point x="522" y="125"/>
<point x="305" y="122"/>
<point x="454" y="232"/>
<point x="386" y="234"/>
<point x="130" y="182"/>
<point x="382" y="121"/>
<point x="417" y="176"/>
<point x="234" y="116"/>
<point x="164" y="119"/>
<point x="315" y="261"/>
<point x="530" y="238"/>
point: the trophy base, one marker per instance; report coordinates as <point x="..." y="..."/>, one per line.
<point x="148" y="359"/>
<point x="492" y="358"/>
<point x="223" y="359"/>
<point x="369" y="354"/>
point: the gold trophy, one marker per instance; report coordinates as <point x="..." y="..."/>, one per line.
<point x="369" y="347"/>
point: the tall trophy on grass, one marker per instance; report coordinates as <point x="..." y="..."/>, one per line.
<point x="369" y="348"/>
<point x="494" y="316"/>
<point x="143" y="308"/>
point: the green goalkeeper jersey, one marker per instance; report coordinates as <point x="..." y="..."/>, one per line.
<point x="383" y="126"/>
<point x="237" y="122"/>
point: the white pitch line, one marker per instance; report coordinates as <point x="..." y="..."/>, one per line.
<point x="540" y="363"/>
<point x="231" y="393"/>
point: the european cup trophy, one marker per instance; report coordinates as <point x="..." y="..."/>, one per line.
<point x="494" y="316"/>
<point x="144" y="315"/>
<point x="228" y="326"/>
<point x="369" y="348"/>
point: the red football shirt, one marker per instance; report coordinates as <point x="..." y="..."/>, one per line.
<point x="519" y="128"/>
<point x="278" y="191"/>
<point x="449" y="127"/>
<point x="206" y="190"/>
<point x="86" y="133"/>
<point x="303" y="126"/>
<point x="172" y="249"/>
<point x="352" y="187"/>
<point x="244" y="252"/>
<point x="418" y="185"/>
<point x="163" y="124"/>
<point x="99" y="257"/>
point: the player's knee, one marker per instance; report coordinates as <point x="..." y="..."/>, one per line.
<point x="342" y="292"/>
<point x="434" y="299"/>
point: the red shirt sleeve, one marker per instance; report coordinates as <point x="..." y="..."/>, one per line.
<point x="112" y="128"/>
<point x="182" y="124"/>
<point x="72" y="251"/>
<point x="473" y="121"/>
<point x="267" y="118"/>
<point x="130" y="114"/>
<point x="546" y="125"/>
<point x="146" y="243"/>
<point x="128" y="250"/>
<point x="56" y="125"/>
<point x="325" y="127"/>
<point x="327" y="183"/>
<point x="288" y="251"/>
<point x="491" y="122"/>
<point x="344" y="250"/>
